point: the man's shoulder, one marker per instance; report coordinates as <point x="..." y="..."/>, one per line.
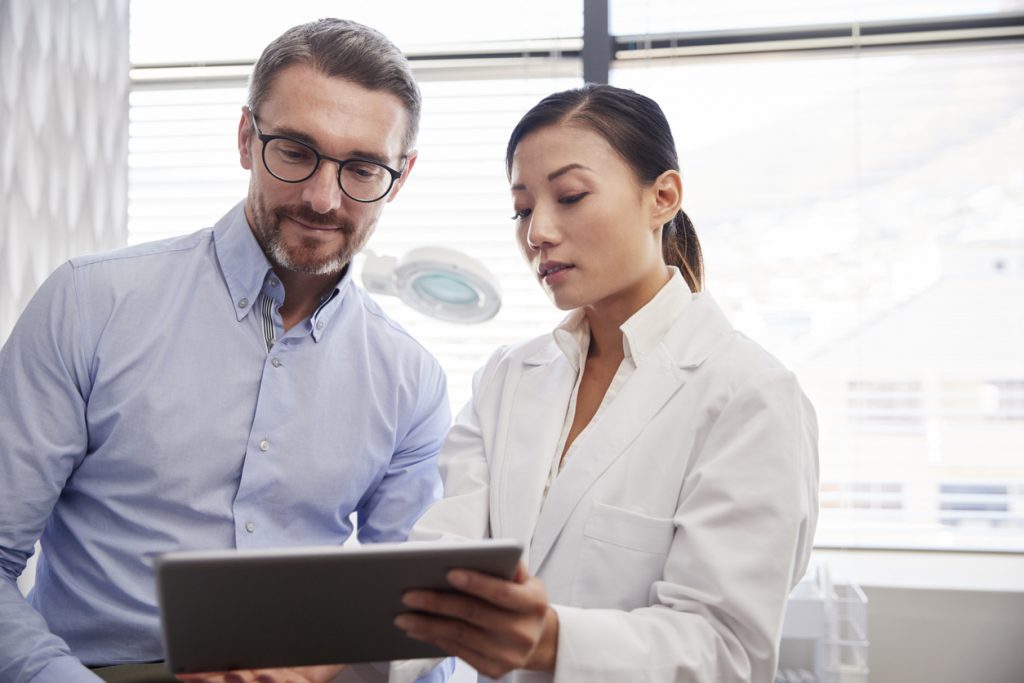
<point x="145" y="254"/>
<point x="386" y="330"/>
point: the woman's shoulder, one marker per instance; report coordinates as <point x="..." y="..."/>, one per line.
<point x="709" y="344"/>
<point x="538" y="350"/>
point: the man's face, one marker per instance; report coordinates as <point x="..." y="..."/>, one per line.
<point x="312" y="227"/>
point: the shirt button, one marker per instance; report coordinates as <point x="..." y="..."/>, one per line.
<point x="264" y="445"/>
<point x="275" y="361"/>
<point x="250" y="527"/>
<point x="274" y="283"/>
<point x="319" y="324"/>
<point x="242" y="303"/>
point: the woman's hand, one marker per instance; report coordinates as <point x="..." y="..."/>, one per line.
<point x="494" y="625"/>
<point x="297" y="674"/>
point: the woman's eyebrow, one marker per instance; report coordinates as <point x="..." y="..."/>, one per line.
<point x="519" y="187"/>
<point x="565" y="169"/>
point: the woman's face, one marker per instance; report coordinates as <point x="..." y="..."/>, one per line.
<point x="590" y="232"/>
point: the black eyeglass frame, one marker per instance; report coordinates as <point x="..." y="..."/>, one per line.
<point x="265" y="138"/>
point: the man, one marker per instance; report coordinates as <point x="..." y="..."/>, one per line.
<point x="232" y="388"/>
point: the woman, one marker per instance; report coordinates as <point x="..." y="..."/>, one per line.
<point x="660" y="467"/>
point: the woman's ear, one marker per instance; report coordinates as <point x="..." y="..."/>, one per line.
<point x="668" y="197"/>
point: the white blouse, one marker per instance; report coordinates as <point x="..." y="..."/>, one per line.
<point x="642" y="332"/>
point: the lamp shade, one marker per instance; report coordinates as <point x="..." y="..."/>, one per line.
<point x="436" y="281"/>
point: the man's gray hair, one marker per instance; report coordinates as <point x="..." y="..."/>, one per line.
<point x="344" y="49"/>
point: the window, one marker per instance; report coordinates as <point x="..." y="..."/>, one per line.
<point x="866" y="226"/>
<point x="985" y="505"/>
<point x="1004" y="399"/>
<point x="630" y="17"/>
<point x="861" y="495"/>
<point x="895" y="406"/>
<point x="861" y="210"/>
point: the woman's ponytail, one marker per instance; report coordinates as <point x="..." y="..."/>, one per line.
<point x="681" y="248"/>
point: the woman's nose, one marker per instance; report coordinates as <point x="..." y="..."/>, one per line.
<point x="541" y="231"/>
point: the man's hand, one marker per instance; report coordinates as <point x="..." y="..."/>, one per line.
<point x="495" y="625"/>
<point x="297" y="674"/>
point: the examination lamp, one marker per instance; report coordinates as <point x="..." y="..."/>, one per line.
<point x="436" y="281"/>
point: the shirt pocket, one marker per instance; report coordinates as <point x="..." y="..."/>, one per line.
<point x="622" y="554"/>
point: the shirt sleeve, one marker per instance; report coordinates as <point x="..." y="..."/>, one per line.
<point x="462" y="513"/>
<point x="744" y="527"/>
<point x="412" y="481"/>
<point x="43" y="384"/>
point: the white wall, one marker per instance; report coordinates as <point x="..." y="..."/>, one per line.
<point x="63" y="138"/>
<point x="945" y="636"/>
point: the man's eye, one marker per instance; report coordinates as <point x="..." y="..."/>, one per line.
<point x="363" y="171"/>
<point x="293" y="153"/>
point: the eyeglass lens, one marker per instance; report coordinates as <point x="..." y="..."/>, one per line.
<point x="293" y="162"/>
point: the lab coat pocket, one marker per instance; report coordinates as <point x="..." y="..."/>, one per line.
<point x="622" y="554"/>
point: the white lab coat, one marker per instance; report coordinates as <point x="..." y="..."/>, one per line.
<point x="670" y="540"/>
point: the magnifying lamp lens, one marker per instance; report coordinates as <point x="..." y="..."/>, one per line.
<point x="446" y="288"/>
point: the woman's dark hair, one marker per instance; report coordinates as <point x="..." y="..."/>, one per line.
<point x="638" y="131"/>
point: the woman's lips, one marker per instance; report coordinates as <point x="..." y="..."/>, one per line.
<point x="553" y="272"/>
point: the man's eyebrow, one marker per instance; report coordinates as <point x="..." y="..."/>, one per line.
<point x="373" y="156"/>
<point x="295" y="135"/>
<point x="308" y="140"/>
<point x="519" y="187"/>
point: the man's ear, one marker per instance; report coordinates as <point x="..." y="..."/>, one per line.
<point x="410" y="161"/>
<point x="245" y="135"/>
<point x="667" y="197"/>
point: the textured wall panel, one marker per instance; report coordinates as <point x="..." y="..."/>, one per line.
<point x="63" y="138"/>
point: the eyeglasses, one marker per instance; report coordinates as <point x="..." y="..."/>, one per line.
<point x="293" y="161"/>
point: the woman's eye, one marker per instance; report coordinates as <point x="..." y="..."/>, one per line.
<point x="520" y="214"/>
<point x="573" y="198"/>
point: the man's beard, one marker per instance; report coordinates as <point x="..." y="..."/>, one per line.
<point x="303" y="258"/>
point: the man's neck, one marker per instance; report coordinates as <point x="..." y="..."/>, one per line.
<point x="302" y="294"/>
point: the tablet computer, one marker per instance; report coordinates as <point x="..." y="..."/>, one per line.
<point x="243" y="609"/>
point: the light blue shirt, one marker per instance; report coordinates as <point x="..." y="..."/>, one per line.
<point x="141" y="412"/>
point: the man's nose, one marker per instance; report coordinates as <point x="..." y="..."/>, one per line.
<point x="321" y="190"/>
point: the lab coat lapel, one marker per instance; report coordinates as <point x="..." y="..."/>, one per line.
<point x="687" y="344"/>
<point x="524" y="457"/>
<point x="640" y="398"/>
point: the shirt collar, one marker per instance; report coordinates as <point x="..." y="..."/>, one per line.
<point x="647" y="327"/>
<point x="246" y="270"/>
<point x="573" y="337"/>
<point x="241" y="259"/>
<point x="330" y="304"/>
<point x="640" y="333"/>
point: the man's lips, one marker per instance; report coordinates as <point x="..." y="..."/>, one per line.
<point x="316" y="226"/>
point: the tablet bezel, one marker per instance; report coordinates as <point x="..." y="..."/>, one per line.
<point x="243" y="609"/>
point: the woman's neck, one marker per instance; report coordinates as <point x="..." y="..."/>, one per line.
<point x="607" y="317"/>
